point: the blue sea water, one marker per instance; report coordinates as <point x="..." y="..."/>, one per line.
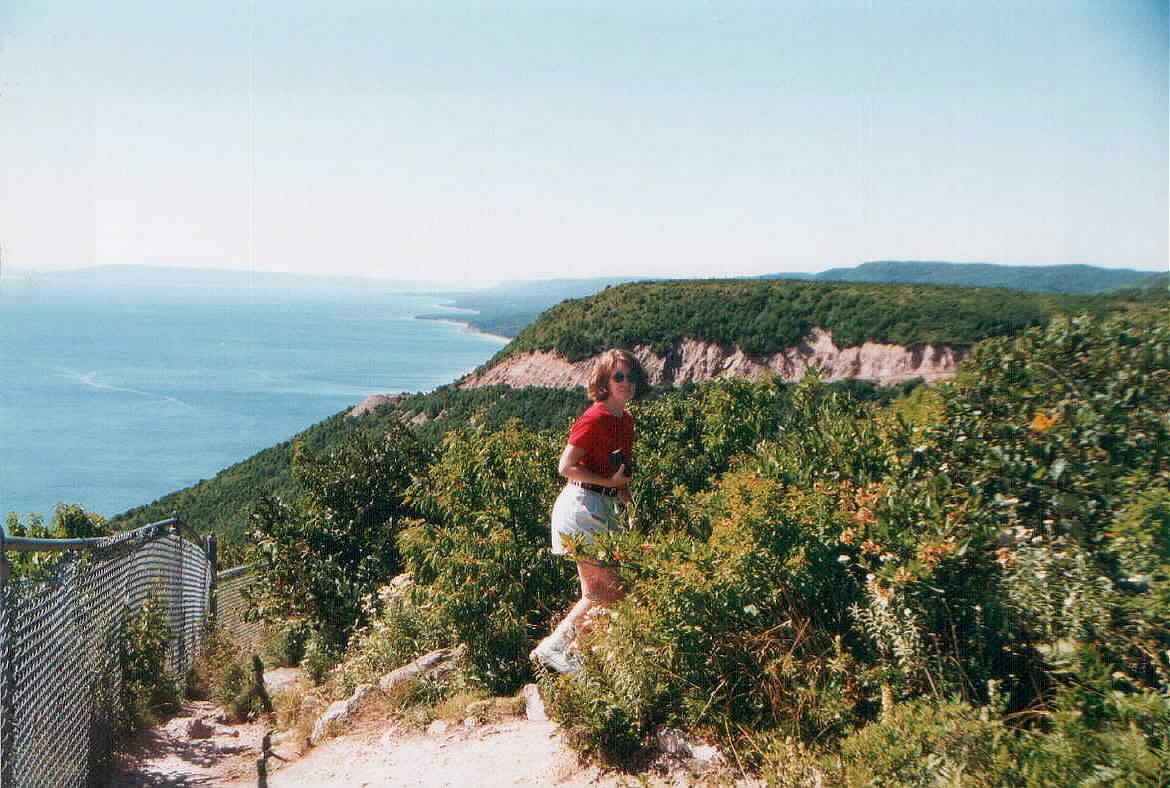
<point x="118" y="387"/>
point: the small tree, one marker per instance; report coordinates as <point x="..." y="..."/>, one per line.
<point x="319" y="557"/>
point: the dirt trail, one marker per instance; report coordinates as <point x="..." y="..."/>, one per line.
<point x="374" y="749"/>
<point x="373" y="753"/>
<point x="167" y="756"/>
<point x="514" y="752"/>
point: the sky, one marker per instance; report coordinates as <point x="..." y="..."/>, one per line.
<point x="521" y="140"/>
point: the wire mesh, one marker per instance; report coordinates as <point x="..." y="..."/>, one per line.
<point x="233" y="608"/>
<point x="59" y="649"/>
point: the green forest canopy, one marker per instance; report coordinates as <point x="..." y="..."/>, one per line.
<point x="767" y="316"/>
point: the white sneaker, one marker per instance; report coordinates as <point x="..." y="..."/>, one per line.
<point x="554" y="652"/>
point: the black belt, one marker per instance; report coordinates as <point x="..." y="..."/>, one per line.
<point x="609" y="492"/>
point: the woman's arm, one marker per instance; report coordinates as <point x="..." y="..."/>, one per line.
<point x="569" y="468"/>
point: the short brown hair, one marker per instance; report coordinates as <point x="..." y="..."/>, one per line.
<point x="599" y="381"/>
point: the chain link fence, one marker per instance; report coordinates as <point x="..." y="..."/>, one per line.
<point x="232" y="606"/>
<point x="59" y="644"/>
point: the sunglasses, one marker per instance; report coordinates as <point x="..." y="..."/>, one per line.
<point x="621" y="377"/>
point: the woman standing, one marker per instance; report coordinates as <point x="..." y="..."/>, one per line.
<point x="596" y="461"/>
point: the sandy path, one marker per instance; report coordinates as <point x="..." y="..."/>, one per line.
<point x="513" y="752"/>
<point x="375" y="750"/>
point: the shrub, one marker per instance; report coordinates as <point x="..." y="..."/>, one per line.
<point x="394" y="637"/>
<point x="232" y="680"/>
<point x="480" y="562"/>
<point x="1014" y="551"/>
<point x="68" y="522"/>
<point x="318" y="559"/>
<point x="924" y="743"/>
<point x="929" y="743"/>
<point x="598" y="727"/>
<point x="320" y="657"/>
<point x="208" y="673"/>
<point x="290" y="714"/>
<point x="689" y="437"/>
<point x="284" y="647"/>
<point x="146" y="687"/>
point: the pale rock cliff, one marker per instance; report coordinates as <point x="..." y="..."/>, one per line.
<point x="372" y="403"/>
<point x="690" y="360"/>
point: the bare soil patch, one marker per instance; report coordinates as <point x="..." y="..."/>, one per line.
<point x="374" y="749"/>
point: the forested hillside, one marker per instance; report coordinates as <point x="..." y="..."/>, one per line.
<point x="508" y="307"/>
<point x="224" y="503"/>
<point x="1069" y="279"/>
<point x="766" y="316"/>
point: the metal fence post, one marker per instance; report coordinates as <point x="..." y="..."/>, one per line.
<point x="179" y="605"/>
<point x="5" y="571"/>
<point x="7" y="674"/>
<point x="213" y="586"/>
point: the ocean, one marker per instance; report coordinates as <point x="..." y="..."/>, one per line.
<point x="120" y="385"/>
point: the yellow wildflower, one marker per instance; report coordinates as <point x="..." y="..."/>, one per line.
<point x="1042" y="422"/>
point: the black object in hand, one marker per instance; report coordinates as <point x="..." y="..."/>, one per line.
<point x="617" y="459"/>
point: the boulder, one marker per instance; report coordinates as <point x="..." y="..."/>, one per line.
<point x="196" y="728"/>
<point x="336" y="714"/>
<point x="434" y="662"/>
<point x="674" y="742"/>
<point x="341" y="711"/>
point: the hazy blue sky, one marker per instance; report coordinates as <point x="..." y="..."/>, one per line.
<point x="442" y="140"/>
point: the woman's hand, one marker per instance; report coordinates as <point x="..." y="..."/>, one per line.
<point x="619" y="479"/>
<point x="569" y="468"/>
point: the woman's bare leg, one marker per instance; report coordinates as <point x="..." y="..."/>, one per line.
<point x="600" y="585"/>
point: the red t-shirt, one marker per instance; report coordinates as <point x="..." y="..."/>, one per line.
<point x="599" y="432"/>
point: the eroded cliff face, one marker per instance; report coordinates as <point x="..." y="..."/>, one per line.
<point x="690" y="360"/>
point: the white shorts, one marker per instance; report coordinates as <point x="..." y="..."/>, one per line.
<point x="580" y="513"/>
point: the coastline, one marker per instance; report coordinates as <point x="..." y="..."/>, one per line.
<point x="468" y="328"/>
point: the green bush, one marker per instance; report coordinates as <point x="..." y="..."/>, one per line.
<point x="687" y="438"/>
<point x="925" y="743"/>
<point x="599" y="728"/>
<point x="321" y="655"/>
<point x="480" y="560"/>
<point x="398" y="634"/>
<point x="207" y="675"/>
<point x="146" y="687"/>
<point x="68" y="522"/>
<point x="320" y="558"/>
<point x="232" y="680"/>
<point x="284" y="647"/>
<point x="929" y="743"/>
